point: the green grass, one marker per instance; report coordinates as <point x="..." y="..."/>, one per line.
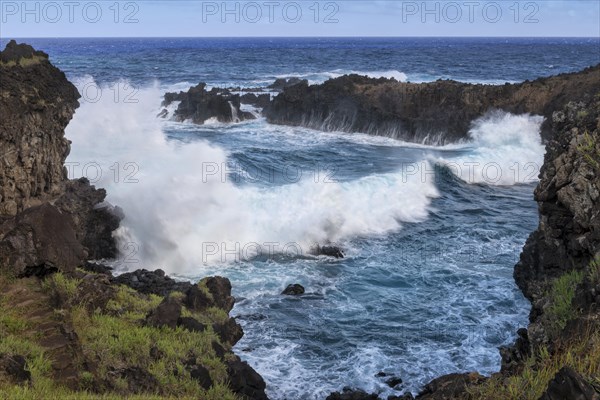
<point x="590" y="150"/>
<point x="61" y="287"/>
<point x="23" y="61"/>
<point x="560" y="296"/>
<point x="594" y="270"/>
<point x="582" y="354"/>
<point x="111" y="339"/>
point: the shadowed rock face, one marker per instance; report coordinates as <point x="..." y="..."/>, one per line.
<point x="36" y="103"/>
<point x="199" y="105"/>
<point x="568" y="195"/>
<point x="436" y="112"/>
<point x="46" y="221"/>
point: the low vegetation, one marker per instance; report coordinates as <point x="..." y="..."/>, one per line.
<point x="111" y="340"/>
<point x="580" y="352"/>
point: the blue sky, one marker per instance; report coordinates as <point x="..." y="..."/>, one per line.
<point x="298" y="18"/>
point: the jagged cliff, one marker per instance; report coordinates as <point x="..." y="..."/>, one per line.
<point x="36" y="103"/>
<point x="46" y="221"/>
<point x="436" y="112"/>
<point x="557" y="357"/>
<point x="68" y="327"/>
<point x="568" y="236"/>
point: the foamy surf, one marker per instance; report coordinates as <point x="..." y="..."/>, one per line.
<point x="183" y="210"/>
<point x="504" y="149"/>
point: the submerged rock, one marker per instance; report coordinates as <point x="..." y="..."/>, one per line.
<point x="328" y="250"/>
<point x="293" y="290"/>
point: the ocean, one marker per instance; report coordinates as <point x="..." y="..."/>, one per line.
<point x="430" y="233"/>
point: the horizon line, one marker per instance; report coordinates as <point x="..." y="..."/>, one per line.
<point x="300" y="37"/>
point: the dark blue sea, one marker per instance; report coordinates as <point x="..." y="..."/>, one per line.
<point x="430" y="233"/>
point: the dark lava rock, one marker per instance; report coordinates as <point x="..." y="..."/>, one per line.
<point x="282" y="83"/>
<point x="450" y="386"/>
<point x="406" y="396"/>
<point x="351" y="394"/>
<point x="97" y="268"/>
<point x="569" y="385"/>
<point x="293" y="290"/>
<point x="152" y="282"/>
<point x="94" y="220"/>
<point x="218" y="349"/>
<point x="393" y="382"/>
<point x="199" y="105"/>
<point x="219" y="294"/>
<point x="567" y="236"/>
<point x="38" y="240"/>
<point x="167" y="313"/>
<point x="245" y="381"/>
<point x="36" y="105"/>
<point x="261" y="100"/>
<point x="138" y="380"/>
<point x="94" y="291"/>
<point x="14" y="369"/>
<point x="229" y="332"/>
<point x="433" y="112"/>
<point x="220" y="289"/>
<point x="514" y="356"/>
<point x="191" y="324"/>
<point x="329" y="250"/>
<point x="202" y="375"/>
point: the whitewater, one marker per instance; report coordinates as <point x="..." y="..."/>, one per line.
<point x="251" y="200"/>
<point x="430" y="233"/>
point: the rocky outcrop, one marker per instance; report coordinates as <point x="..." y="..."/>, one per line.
<point x="38" y="241"/>
<point x="568" y="235"/>
<point x="94" y="219"/>
<point x="58" y="312"/>
<point x="256" y="100"/>
<point x="13" y="368"/>
<point x="151" y="282"/>
<point x="436" y="112"/>
<point x="294" y="289"/>
<point x="568" y="384"/>
<point x="36" y="103"/>
<point x="47" y="223"/>
<point x="451" y="386"/>
<point x="199" y="105"/>
<point x="566" y="241"/>
<point x="352" y="394"/>
<point x="283" y="83"/>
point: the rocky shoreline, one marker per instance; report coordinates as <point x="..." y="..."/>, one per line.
<point x="436" y="113"/>
<point x="68" y="328"/>
<point x="71" y="328"/>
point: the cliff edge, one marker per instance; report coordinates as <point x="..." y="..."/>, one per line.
<point x="432" y="113"/>
<point x="68" y="327"/>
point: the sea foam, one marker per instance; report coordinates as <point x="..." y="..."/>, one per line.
<point x="504" y="149"/>
<point x="182" y="211"/>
